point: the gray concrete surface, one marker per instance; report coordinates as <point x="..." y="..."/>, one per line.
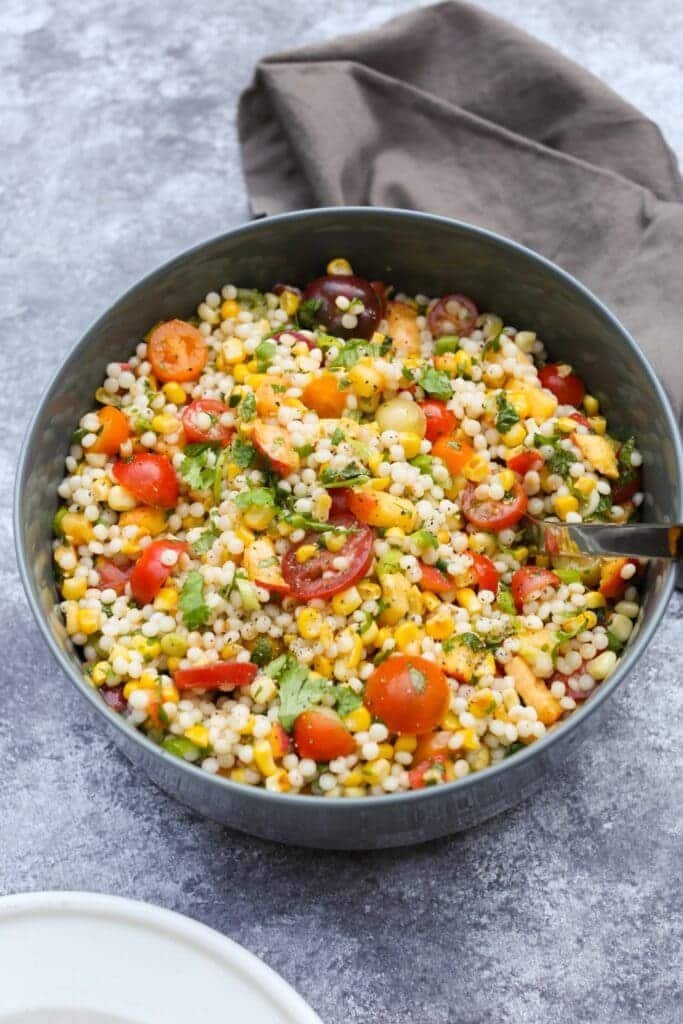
<point x="119" y="149"/>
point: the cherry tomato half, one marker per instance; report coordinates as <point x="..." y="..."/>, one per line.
<point x="578" y="418"/>
<point x="112" y="575"/>
<point x="453" y="314"/>
<point x="326" y="290"/>
<point x="629" y="483"/>
<point x="150" y="477"/>
<point x="431" y="745"/>
<point x="568" y="390"/>
<point x="298" y="335"/>
<point x="434" y="766"/>
<point x="323" y="395"/>
<point x="194" y="423"/>
<point x="525" y="462"/>
<point x="114" y="430"/>
<point x="433" y="580"/>
<point x="485" y="571"/>
<point x="494" y="515"/>
<point x="340" y="500"/>
<point x="221" y="675"/>
<point x="275" y="444"/>
<point x="456" y="454"/>
<point x="528" y="583"/>
<point x="409" y="694"/>
<point x="317" y="577"/>
<point x="150" y="572"/>
<point x="440" y="420"/>
<point x="177" y="351"/>
<point x="319" y="733"/>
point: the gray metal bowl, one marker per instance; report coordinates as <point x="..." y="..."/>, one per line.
<point x="420" y="253"/>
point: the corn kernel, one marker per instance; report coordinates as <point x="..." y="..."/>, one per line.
<point x="440" y="626"/>
<point x="477" y="469"/>
<point x="591" y="405"/>
<point x="514" y="436"/>
<point x="229" y="309"/>
<point x="339" y="265"/>
<point x="333" y="542"/>
<point x="354" y="656"/>
<point x="248" y="728"/>
<point x="483" y="543"/>
<point x="174" y="392"/>
<point x="309" y="622"/>
<point x="406" y="634"/>
<point x="346" y="602"/>
<point x="88" y="620"/>
<point x="76" y="527"/>
<point x="354" y="778"/>
<point x="481" y="759"/>
<point x="228" y="651"/>
<point x="130" y="548"/>
<point x="482" y="703"/>
<point x="149" y="647"/>
<point x="369" y="591"/>
<point x="430" y="602"/>
<point x="405" y="744"/>
<point x="600" y="667"/>
<point x="566" y="424"/>
<point x="463" y="362"/>
<point x="120" y="500"/>
<point x="369" y="636"/>
<point x="305" y="552"/>
<point x="470" y="740"/>
<point x="584" y="485"/>
<point x="323" y="665"/>
<point x="599" y="424"/>
<point x="245" y="535"/>
<point x="467" y="598"/>
<point x="74" y="588"/>
<point x="100" y="489"/>
<point x="173" y="664"/>
<point x="148" y="680"/>
<point x="594" y="599"/>
<point x="238" y="775"/>
<point x="164" y="423"/>
<point x="259" y="517"/>
<point x="358" y="720"/>
<point x="564" y="504"/>
<point x="289" y="301"/>
<point x="263" y="758"/>
<point x="166" y="600"/>
<point x="99" y="672"/>
<point x="375" y="461"/>
<point x="380" y="483"/>
<point x="386" y="750"/>
<point x="169" y="693"/>
<point x="451" y="722"/>
<point x="240" y="373"/>
<point x="507" y="479"/>
<point x="518" y="398"/>
<point x="130" y="688"/>
<point x="197" y="734"/>
<point x="411" y="443"/>
<point x="376" y="771"/>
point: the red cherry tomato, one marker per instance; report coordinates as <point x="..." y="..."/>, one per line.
<point x="150" y="572"/>
<point x="629" y="483"/>
<point x="485" y="571"/>
<point x="278" y="289"/>
<point x="150" y="477"/>
<point x="494" y="515"/>
<point x="453" y="314"/>
<point x="340" y="500"/>
<point x="298" y="335"/>
<point x="434" y="580"/>
<point x="417" y="777"/>
<point x="578" y="418"/>
<point x="568" y="390"/>
<point x="326" y="290"/>
<point x="221" y="675"/>
<point x="112" y="575"/>
<point x="193" y="415"/>
<point x="525" y="462"/>
<point x="409" y="694"/>
<point x="177" y="351"/>
<point x="440" y="420"/>
<point x="527" y="583"/>
<point x="309" y="580"/>
<point x="320" y="734"/>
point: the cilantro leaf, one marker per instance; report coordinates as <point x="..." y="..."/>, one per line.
<point x="603" y="507"/>
<point x="350" y="476"/>
<point x="307" y="313"/>
<point x="347" y="701"/>
<point x="505" y="600"/>
<point x="194" y="610"/>
<point x="301" y="522"/>
<point x="265" y="353"/>
<point x="253" y="300"/>
<point x="262" y="653"/>
<point x="198" y="468"/>
<point x="299" y="689"/>
<point x="242" y="452"/>
<point x="247" y="408"/>
<point x="337" y="436"/>
<point x="259" y="496"/>
<point x="435" y="383"/>
<point x="507" y="415"/>
<point x="560" y="461"/>
<point x="205" y="540"/>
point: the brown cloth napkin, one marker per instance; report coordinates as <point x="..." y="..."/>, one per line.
<point x="450" y="110"/>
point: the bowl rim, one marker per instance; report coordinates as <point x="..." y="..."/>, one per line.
<point x="535" y="749"/>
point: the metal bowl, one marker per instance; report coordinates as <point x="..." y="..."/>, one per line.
<point x="420" y="253"/>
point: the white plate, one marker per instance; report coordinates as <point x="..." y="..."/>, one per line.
<point x="82" y="958"/>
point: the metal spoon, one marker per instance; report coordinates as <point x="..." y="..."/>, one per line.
<point x="637" y="540"/>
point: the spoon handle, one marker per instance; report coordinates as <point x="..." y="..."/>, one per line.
<point x="636" y="540"/>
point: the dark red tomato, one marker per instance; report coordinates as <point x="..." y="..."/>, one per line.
<point x="629" y="483"/>
<point x="340" y="500"/>
<point x="326" y="290"/>
<point x="525" y="462"/>
<point x="485" y="571"/>
<point x="317" y="577"/>
<point x="150" y="571"/>
<point x="494" y="515"/>
<point x="278" y="289"/>
<point x="299" y="335"/>
<point x="568" y="390"/>
<point x="578" y="418"/>
<point x="382" y="291"/>
<point x="221" y="675"/>
<point x="320" y="734"/>
<point x="440" y="420"/>
<point x="409" y="694"/>
<point x="434" y="580"/>
<point x="453" y="314"/>
<point x="150" y="477"/>
<point x="527" y="584"/>
<point x="417" y="777"/>
<point x="112" y="575"/>
<point x="193" y="415"/>
<point x="113" y="696"/>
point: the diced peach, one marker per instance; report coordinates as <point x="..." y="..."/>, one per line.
<point x="402" y="328"/>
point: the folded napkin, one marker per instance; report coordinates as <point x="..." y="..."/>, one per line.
<point x="450" y="110"/>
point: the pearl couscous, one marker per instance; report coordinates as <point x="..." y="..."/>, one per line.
<point x="291" y="543"/>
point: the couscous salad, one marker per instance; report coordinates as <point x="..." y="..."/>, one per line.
<point x="291" y="541"/>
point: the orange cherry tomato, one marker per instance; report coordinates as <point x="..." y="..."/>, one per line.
<point x="568" y="390"/>
<point x="114" y="429"/>
<point x="494" y="515"/>
<point x="431" y="745"/>
<point x="194" y="424"/>
<point x="150" y="572"/>
<point x="612" y="583"/>
<point x="440" y="419"/>
<point x="456" y="454"/>
<point x="409" y="694"/>
<point x="177" y="351"/>
<point x="150" y="477"/>
<point x="320" y="734"/>
<point x="524" y="462"/>
<point x="221" y="675"/>
<point x="324" y="396"/>
<point x="529" y="582"/>
<point x="112" y="575"/>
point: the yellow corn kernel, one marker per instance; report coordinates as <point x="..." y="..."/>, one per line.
<point x="395" y="534"/>
<point x="166" y="600"/>
<point x="245" y="535"/>
<point x="507" y="479"/>
<point x="248" y="728"/>
<point x="584" y="485"/>
<point x="189" y="522"/>
<point x="289" y="301"/>
<point x="229" y="309"/>
<point x="259" y="517"/>
<point x="263" y="758"/>
<point x="148" y="680"/>
<point x="365" y="380"/>
<point x="406" y="634"/>
<point x="521" y="554"/>
<point x="483" y="543"/>
<point x="591" y="405"/>
<point x="463" y="362"/>
<point x="100" y="488"/>
<point x="486" y="665"/>
<point x="451" y="722"/>
<point x="354" y="779"/>
<point x="396" y="592"/>
<point x="129" y="688"/>
<point x="309" y="622"/>
<point x="405" y="744"/>
<point x="88" y="620"/>
<point x="99" y="672"/>
<point x="346" y="602"/>
<point x="322" y="506"/>
<point x="76" y="527"/>
<point x="164" y="423"/>
<point x="410" y="443"/>
<point x="197" y="734"/>
<point x="382" y="637"/>
<point x="352" y="658"/>
<point x="119" y="499"/>
<point x="386" y="750"/>
<point x="376" y="771"/>
<point x="564" y="504"/>
<point x="146" y="519"/>
<point x="358" y="720"/>
<point x="305" y="552"/>
<point x="369" y="591"/>
<point x="566" y="424"/>
<point x="430" y="602"/>
<point x="467" y="598"/>
<point x="238" y="775"/>
<point x="440" y="626"/>
<point x="470" y="740"/>
<point x="326" y="635"/>
<point x="477" y="469"/>
<point x="599" y="424"/>
<point x="482" y="703"/>
<point x="594" y="599"/>
<point x="518" y="397"/>
<point x="322" y="665"/>
<point x="333" y="542"/>
<point x="481" y="759"/>
<point x="149" y="647"/>
<point x="174" y="663"/>
<point x="514" y="436"/>
<point x="169" y="693"/>
<point x="380" y="483"/>
<point x="370" y="635"/>
<point x="339" y="265"/>
<point x="375" y="461"/>
<point x="129" y="547"/>
<point x="240" y="373"/>
<point x="74" y="588"/>
<point x="278" y="782"/>
<point x="228" y="651"/>
<point x="174" y="392"/>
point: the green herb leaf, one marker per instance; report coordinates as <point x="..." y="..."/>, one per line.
<point x="436" y="383"/>
<point x="505" y="600"/>
<point x="307" y="313"/>
<point x="194" y="611"/>
<point x="337" y="436"/>
<point x="507" y="415"/>
<point x="205" y="541"/>
<point x="347" y="700"/>
<point x="262" y="653"/>
<point x="242" y="452"/>
<point x="198" y="468"/>
<point x="350" y="476"/>
<point x="259" y="496"/>
<point x="613" y="644"/>
<point x="253" y="300"/>
<point x="424" y="539"/>
<point x="247" y="409"/>
<point x="299" y="690"/>
<point x="305" y="523"/>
